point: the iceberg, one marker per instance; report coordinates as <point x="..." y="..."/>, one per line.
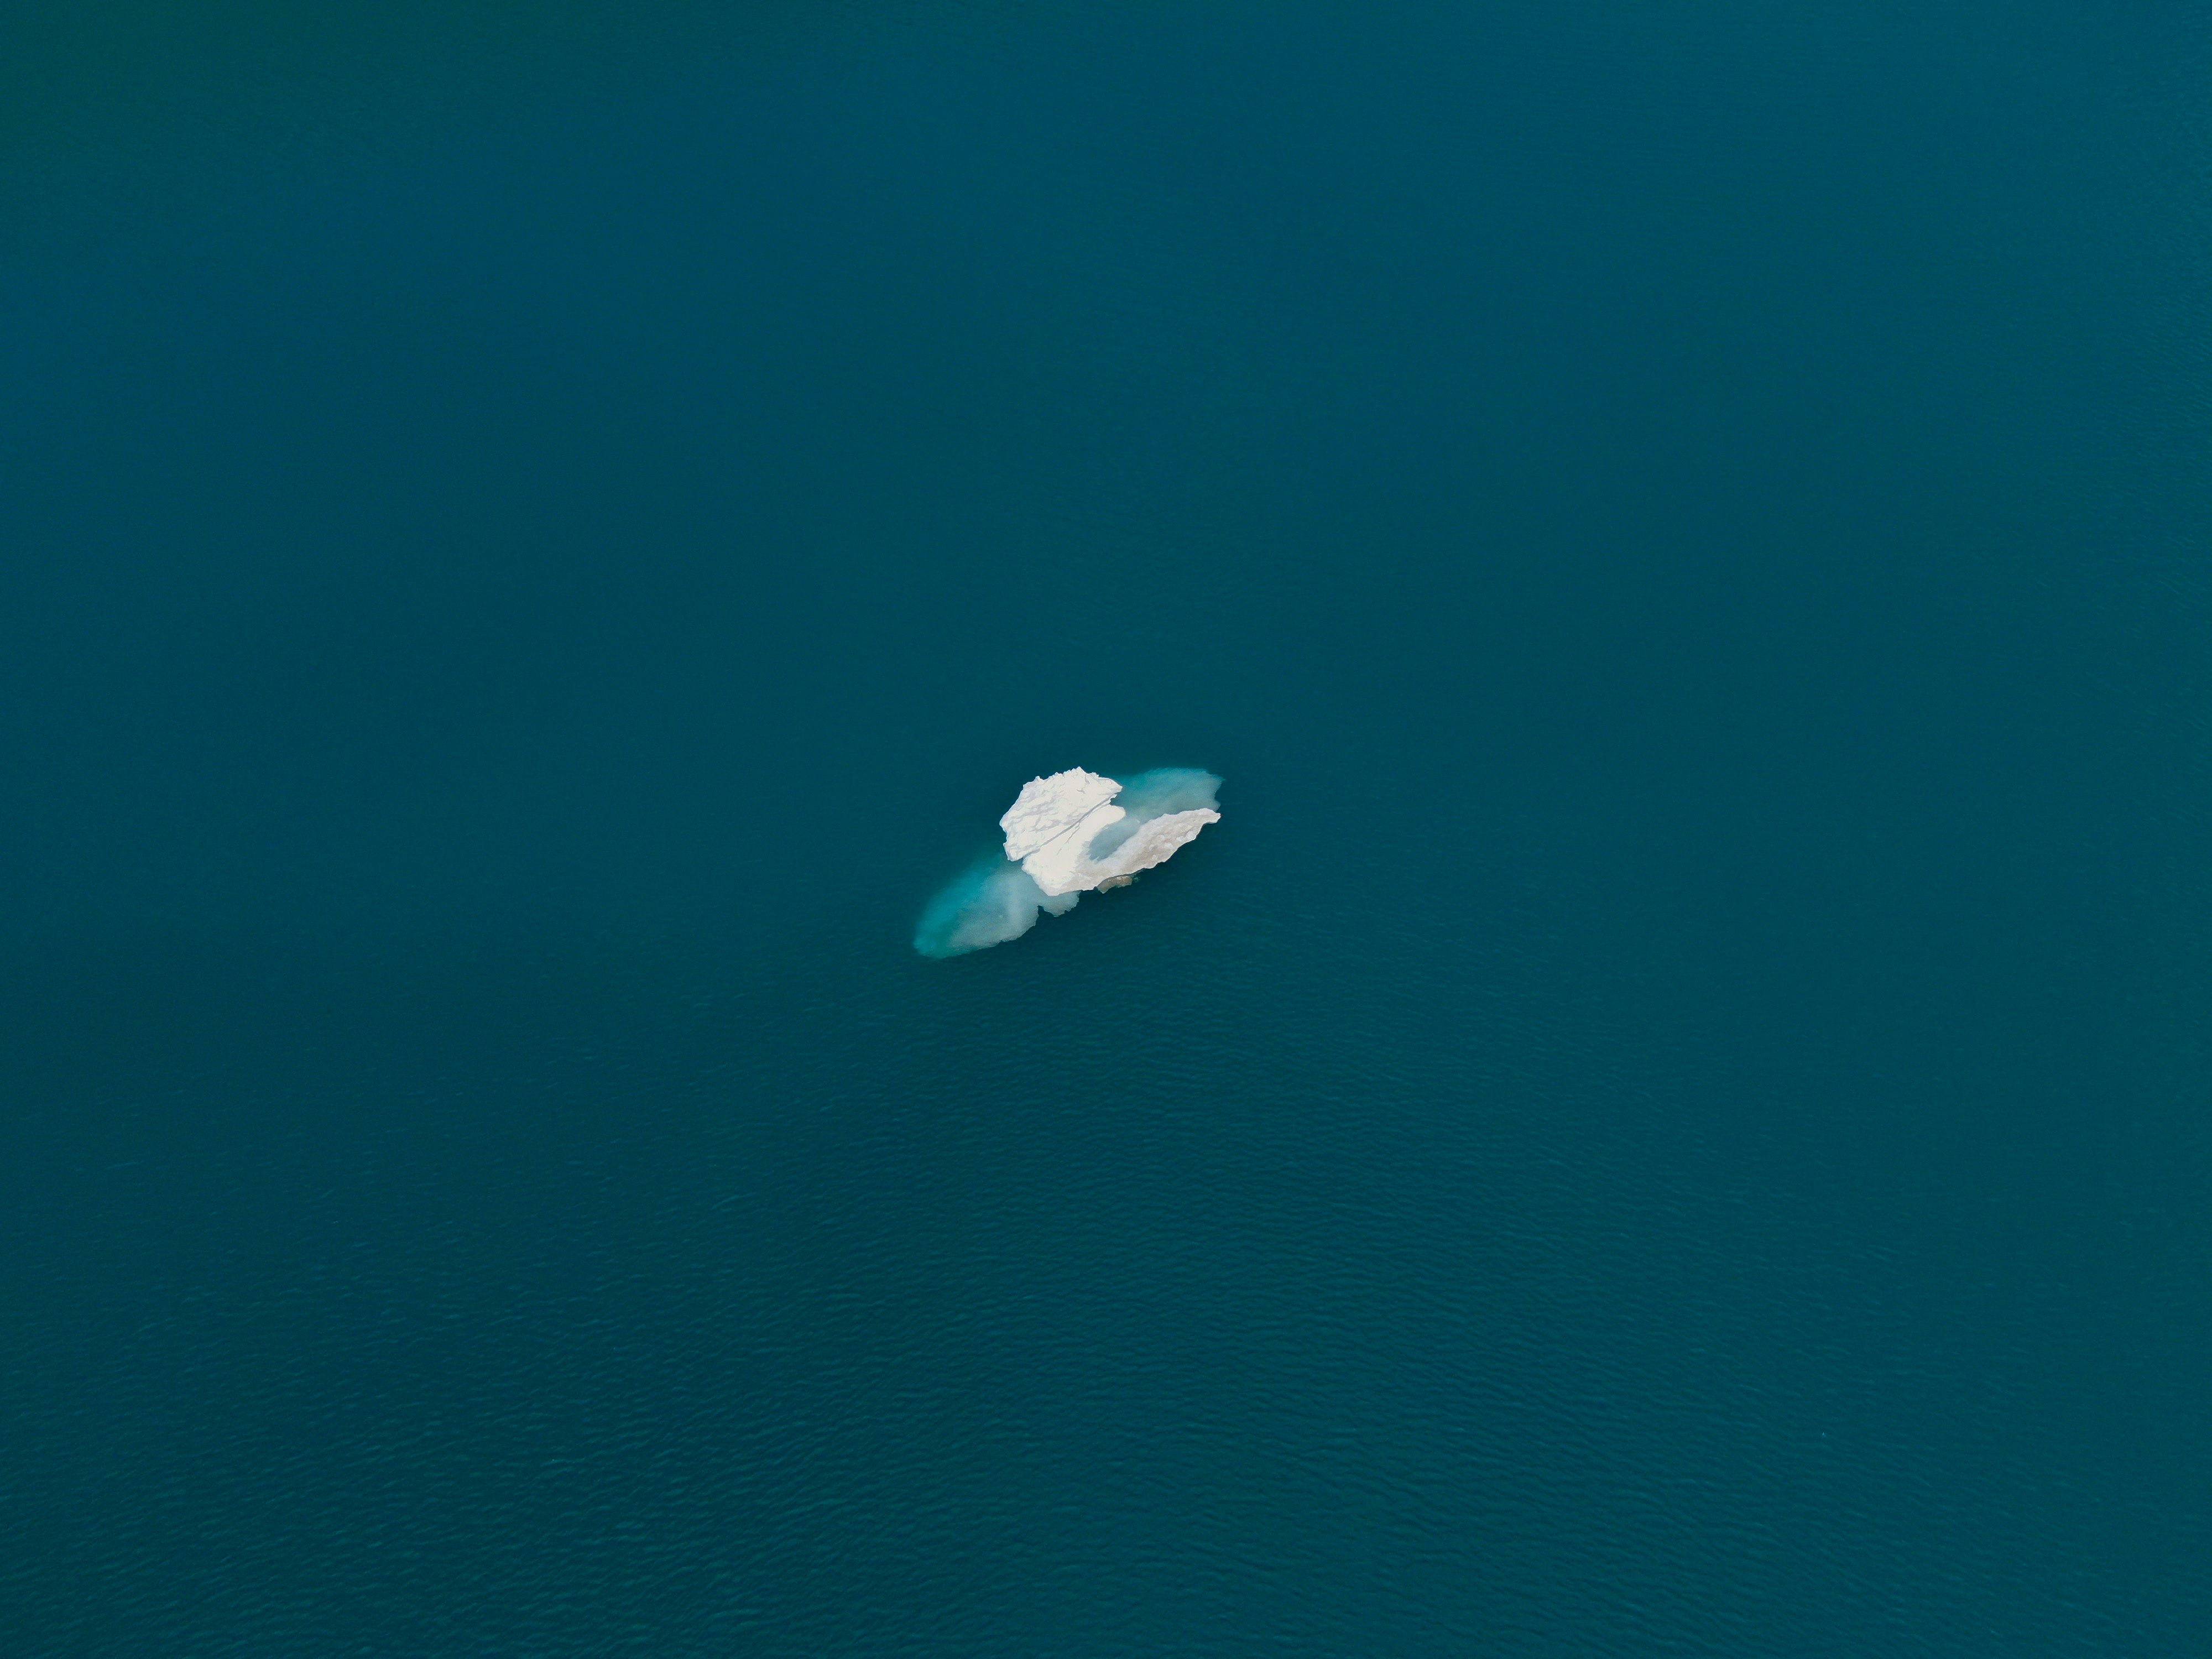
<point x="1071" y="833"/>
<point x="1061" y="831"/>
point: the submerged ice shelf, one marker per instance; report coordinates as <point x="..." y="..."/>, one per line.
<point x="1073" y="833"/>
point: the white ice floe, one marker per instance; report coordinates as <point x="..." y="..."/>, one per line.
<point x="1059" y="831"/>
<point x="1067" y="834"/>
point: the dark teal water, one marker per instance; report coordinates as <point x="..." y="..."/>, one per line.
<point x="1671" y="1115"/>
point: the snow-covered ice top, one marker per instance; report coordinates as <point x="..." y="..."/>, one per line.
<point x="1068" y="834"/>
<point x="1059" y="831"/>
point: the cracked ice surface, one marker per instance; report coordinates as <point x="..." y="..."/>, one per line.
<point x="1068" y="834"/>
<point x="1053" y="828"/>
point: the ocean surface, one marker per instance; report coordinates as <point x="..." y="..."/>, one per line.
<point x="1672" y="1116"/>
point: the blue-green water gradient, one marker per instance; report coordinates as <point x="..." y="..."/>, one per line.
<point x="1669" y="1117"/>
